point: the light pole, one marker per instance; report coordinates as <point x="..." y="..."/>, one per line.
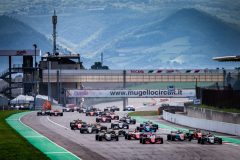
<point x="196" y="81"/>
<point x="34" y="75"/>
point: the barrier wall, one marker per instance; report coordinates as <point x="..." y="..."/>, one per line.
<point x="210" y="125"/>
<point x="204" y="113"/>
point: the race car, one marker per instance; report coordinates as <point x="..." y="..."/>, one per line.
<point x="129" y="108"/>
<point x="133" y="135"/>
<point x="128" y="120"/>
<point x="89" y="128"/>
<point x="56" y="113"/>
<point x="120" y="132"/>
<point x="112" y="115"/>
<point x="119" y="125"/>
<point x="151" y="139"/>
<point x="100" y="127"/>
<point x="92" y="113"/>
<point x="77" y="124"/>
<point x="112" y="109"/>
<point x="176" y="135"/>
<point x="209" y="139"/>
<point x="43" y="113"/>
<point x="108" y="135"/>
<point x="194" y="134"/>
<point x="85" y="109"/>
<point x="67" y="109"/>
<point x="105" y="119"/>
<point x="147" y="127"/>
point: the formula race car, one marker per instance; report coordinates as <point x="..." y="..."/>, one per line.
<point x="128" y="120"/>
<point x="43" y="113"/>
<point x="209" y="139"/>
<point x="77" y="124"/>
<point x="82" y="110"/>
<point x="129" y="108"/>
<point x="112" y="109"/>
<point x="105" y="119"/>
<point x="89" y="128"/>
<point x="151" y="139"/>
<point x="119" y="125"/>
<point x="67" y="109"/>
<point x="85" y="109"/>
<point x="56" y="113"/>
<point x="120" y="132"/>
<point x="176" y="135"/>
<point x="148" y="127"/>
<point x="100" y="127"/>
<point x="194" y="134"/>
<point x="93" y="113"/>
<point x="112" y="115"/>
<point x="108" y="135"/>
<point x="133" y="135"/>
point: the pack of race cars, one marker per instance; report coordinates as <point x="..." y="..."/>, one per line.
<point x="146" y="133"/>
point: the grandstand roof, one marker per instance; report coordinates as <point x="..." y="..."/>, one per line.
<point x="227" y="58"/>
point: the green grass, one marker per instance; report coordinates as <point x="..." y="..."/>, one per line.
<point x="12" y="145"/>
<point x="225" y="109"/>
<point x="143" y="113"/>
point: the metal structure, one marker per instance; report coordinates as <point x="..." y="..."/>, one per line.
<point x="54" y="22"/>
<point x="227" y="59"/>
<point x="133" y="76"/>
<point x="26" y="68"/>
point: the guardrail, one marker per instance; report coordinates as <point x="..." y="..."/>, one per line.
<point x="223" y="127"/>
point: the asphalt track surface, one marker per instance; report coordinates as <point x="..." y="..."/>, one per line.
<point x="84" y="145"/>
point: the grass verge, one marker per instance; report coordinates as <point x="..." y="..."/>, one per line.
<point x="232" y="110"/>
<point x="12" y="145"/>
<point x="143" y="113"/>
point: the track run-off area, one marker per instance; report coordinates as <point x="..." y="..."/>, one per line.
<point x="41" y="130"/>
<point x="45" y="145"/>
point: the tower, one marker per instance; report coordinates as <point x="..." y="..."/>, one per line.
<point x="54" y="21"/>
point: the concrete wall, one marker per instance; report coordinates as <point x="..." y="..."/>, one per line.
<point x="212" y="115"/>
<point x="210" y="125"/>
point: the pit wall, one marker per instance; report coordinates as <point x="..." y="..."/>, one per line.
<point x="223" y="127"/>
<point x="209" y="114"/>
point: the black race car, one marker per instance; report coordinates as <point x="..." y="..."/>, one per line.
<point x="56" y="113"/>
<point x="128" y="120"/>
<point x="151" y="139"/>
<point x="77" y="124"/>
<point x="120" y="132"/>
<point x="89" y="128"/>
<point x="104" y="119"/>
<point x="85" y="109"/>
<point x="119" y="125"/>
<point x="67" y="109"/>
<point x="112" y="109"/>
<point x="43" y="113"/>
<point x="108" y="135"/>
<point x="129" y="108"/>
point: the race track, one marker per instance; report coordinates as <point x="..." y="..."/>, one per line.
<point x="85" y="146"/>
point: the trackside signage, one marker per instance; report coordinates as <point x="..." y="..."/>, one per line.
<point x="178" y="93"/>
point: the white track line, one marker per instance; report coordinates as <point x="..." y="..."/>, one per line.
<point x="50" y="140"/>
<point x="57" y="123"/>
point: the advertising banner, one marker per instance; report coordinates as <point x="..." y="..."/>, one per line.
<point x="23" y="52"/>
<point x="161" y="93"/>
